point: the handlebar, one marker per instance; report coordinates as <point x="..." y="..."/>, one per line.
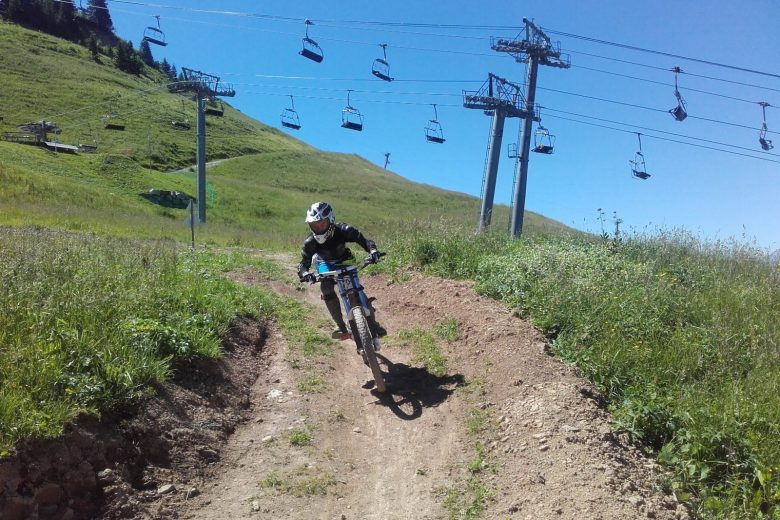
<point x="362" y="264"/>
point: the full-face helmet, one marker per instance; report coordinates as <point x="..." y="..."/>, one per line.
<point x="321" y="218"/>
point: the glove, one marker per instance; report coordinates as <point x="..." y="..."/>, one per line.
<point x="374" y="256"/>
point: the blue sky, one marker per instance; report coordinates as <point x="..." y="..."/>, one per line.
<point x="715" y="195"/>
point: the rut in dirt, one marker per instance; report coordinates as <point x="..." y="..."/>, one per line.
<point x="508" y="430"/>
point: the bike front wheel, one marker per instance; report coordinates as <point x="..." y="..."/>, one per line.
<point x="363" y="336"/>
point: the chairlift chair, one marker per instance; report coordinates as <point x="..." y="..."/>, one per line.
<point x="766" y="144"/>
<point x="544" y="142"/>
<point x="381" y="68"/>
<point x="88" y="142"/>
<point x="113" y="121"/>
<point x="214" y="107"/>
<point x="290" y="117"/>
<point x="310" y="48"/>
<point x="433" y="131"/>
<point x="638" y="169"/>
<point x="184" y="123"/>
<point x="351" y="118"/>
<point x="679" y="112"/>
<point x="155" y="35"/>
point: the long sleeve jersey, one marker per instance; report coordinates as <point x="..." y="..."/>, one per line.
<point x="334" y="249"/>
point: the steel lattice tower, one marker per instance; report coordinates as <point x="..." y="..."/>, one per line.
<point x="501" y="99"/>
<point x="535" y="49"/>
<point x="205" y="86"/>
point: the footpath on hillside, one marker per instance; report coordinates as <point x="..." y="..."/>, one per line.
<point x="508" y="432"/>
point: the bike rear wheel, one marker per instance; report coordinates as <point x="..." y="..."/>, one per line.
<point x="363" y="336"/>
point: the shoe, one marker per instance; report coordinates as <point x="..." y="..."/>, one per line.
<point x="380" y="331"/>
<point x="339" y="334"/>
<point x="377" y="346"/>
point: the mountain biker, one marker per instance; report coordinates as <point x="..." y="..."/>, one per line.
<point x="326" y="246"/>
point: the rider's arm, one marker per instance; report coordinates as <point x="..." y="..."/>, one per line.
<point x="307" y="252"/>
<point x="352" y="234"/>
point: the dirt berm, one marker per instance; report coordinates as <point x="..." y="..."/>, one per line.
<point x="259" y="436"/>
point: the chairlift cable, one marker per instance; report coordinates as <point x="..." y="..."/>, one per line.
<point x="661" y="53"/>
<point x="312" y="78"/>
<point x="665" y="84"/>
<point x="656" y="67"/>
<point x="644" y="107"/>
<point x="652" y="130"/>
<point x="667" y="139"/>
<point x="374" y="24"/>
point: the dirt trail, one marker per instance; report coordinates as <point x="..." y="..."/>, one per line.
<point x="548" y="448"/>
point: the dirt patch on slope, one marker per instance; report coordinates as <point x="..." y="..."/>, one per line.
<point x="309" y="438"/>
<point x="143" y="462"/>
<point x="547" y="448"/>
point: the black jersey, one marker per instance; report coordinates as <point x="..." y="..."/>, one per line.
<point x="334" y="249"/>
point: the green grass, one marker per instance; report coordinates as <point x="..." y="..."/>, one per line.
<point x="312" y="384"/>
<point x="300" y="437"/>
<point x="302" y="482"/>
<point x="425" y="350"/>
<point x="88" y="322"/>
<point x="467" y="501"/>
<point x="680" y="336"/>
<point x="447" y="330"/>
<point x="477" y="421"/>
<point x="255" y="199"/>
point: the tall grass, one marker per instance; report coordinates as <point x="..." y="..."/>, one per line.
<point x="680" y="335"/>
<point x="87" y="323"/>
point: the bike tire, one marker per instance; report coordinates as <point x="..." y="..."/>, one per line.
<point x="367" y="344"/>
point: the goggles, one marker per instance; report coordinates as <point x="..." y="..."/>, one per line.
<point x="319" y="226"/>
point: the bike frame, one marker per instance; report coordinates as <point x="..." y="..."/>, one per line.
<point x="350" y="289"/>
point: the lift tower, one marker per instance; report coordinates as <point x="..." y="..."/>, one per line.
<point x="205" y="86"/>
<point x="501" y="99"/>
<point x="535" y="49"/>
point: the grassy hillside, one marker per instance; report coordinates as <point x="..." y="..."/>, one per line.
<point x="680" y="337"/>
<point x="258" y="198"/>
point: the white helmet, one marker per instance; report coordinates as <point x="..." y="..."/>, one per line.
<point x="320" y="218"/>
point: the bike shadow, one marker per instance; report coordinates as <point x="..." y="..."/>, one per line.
<point x="410" y="389"/>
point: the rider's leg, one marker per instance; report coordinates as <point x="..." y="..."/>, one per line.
<point x="333" y="304"/>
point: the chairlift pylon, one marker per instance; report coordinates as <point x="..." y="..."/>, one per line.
<point x="766" y="144"/>
<point x="290" y="117"/>
<point x="310" y="48"/>
<point x="638" y="169"/>
<point x="433" y="130"/>
<point x="544" y="141"/>
<point x="381" y="68"/>
<point x="155" y="35"/>
<point x="351" y="118"/>
<point x="679" y="112"/>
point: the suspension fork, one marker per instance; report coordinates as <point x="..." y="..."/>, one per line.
<point x="354" y="296"/>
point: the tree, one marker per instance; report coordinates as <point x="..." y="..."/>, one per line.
<point x="94" y="50"/>
<point x="164" y="67"/>
<point x="98" y="13"/>
<point x="146" y="53"/>
<point x="122" y="59"/>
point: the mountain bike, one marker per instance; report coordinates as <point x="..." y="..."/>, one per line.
<point x="358" y="309"/>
